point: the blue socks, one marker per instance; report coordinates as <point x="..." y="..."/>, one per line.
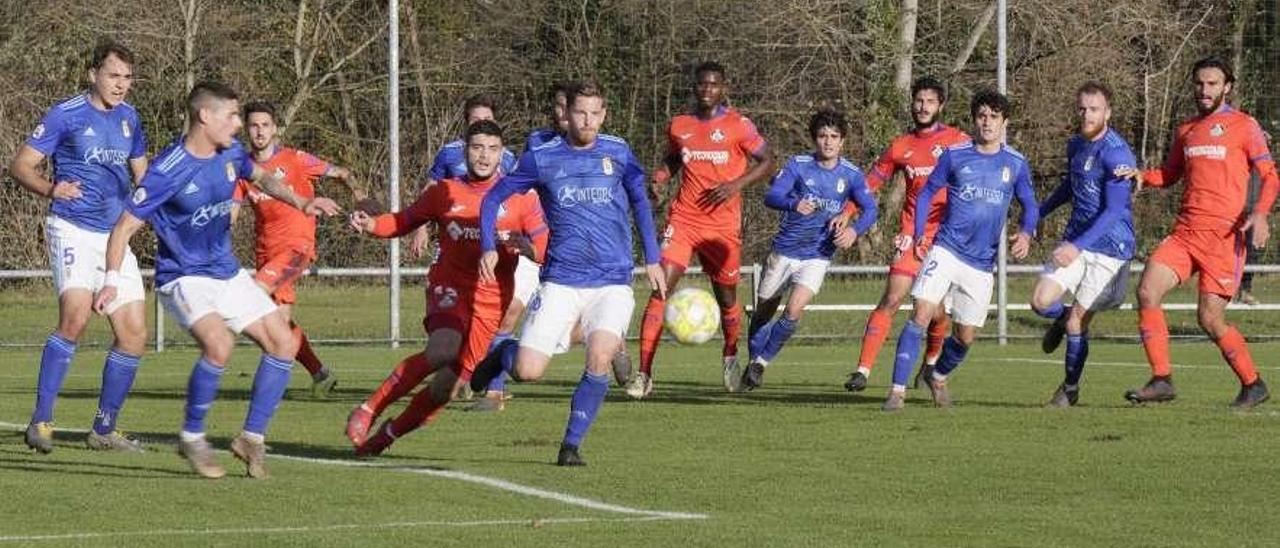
<point x="907" y="353"/>
<point x="584" y="406"/>
<point x="1053" y="312"/>
<point x="1077" y="353"/>
<point x="117" y="378"/>
<point x="268" y="388"/>
<point x="757" y="339"/>
<point x="499" y="383"/>
<point x="202" y="388"/>
<point x="953" y="352"/>
<point x="780" y="330"/>
<point x="54" y="363"/>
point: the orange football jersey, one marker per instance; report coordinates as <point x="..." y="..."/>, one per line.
<point x="712" y="152"/>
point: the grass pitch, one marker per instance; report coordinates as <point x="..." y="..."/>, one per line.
<point x="799" y="462"/>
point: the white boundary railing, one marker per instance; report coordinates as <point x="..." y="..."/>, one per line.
<point x="753" y="271"/>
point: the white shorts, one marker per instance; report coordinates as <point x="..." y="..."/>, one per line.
<point x="1097" y="281"/>
<point x="782" y="272"/>
<point x="556" y="308"/>
<point x="238" y="300"/>
<point x="526" y="281"/>
<point x="944" y="276"/>
<point x="78" y="258"/>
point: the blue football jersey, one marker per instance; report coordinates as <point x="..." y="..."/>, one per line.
<point x="451" y="162"/>
<point x="979" y="190"/>
<point x="538" y="137"/>
<point x="92" y="147"/>
<point x="587" y="196"/>
<point x="803" y="178"/>
<point x="1101" y="206"/>
<point x="188" y="202"/>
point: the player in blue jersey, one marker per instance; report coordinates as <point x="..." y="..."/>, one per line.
<point x="558" y="114"/>
<point x="812" y="190"/>
<point x="186" y="197"/>
<point x="588" y="183"/>
<point x="981" y="178"/>
<point x="97" y="150"/>
<point x="1092" y="261"/>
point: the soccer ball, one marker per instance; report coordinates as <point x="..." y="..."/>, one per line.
<point x="692" y="315"/>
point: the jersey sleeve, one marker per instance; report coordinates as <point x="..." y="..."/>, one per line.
<point x="750" y="142"/>
<point x="534" y="225"/>
<point x="312" y="166"/>
<point x="1026" y="195"/>
<point x="45" y="137"/>
<point x="633" y="178"/>
<point x="858" y="193"/>
<point x="519" y="181"/>
<point x="439" y="170"/>
<point x="1261" y="161"/>
<point x="508" y="161"/>
<point x="139" y="148"/>
<point x="155" y="189"/>
<point x="882" y="169"/>
<point x="779" y="194"/>
<point x="426" y="208"/>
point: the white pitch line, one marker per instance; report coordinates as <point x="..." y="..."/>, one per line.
<point x="1118" y="364"/>
<point x="531" y="522"/>
<point x="564" y="498"/>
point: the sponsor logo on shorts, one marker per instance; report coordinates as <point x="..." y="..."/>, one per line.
<point x="446" y="297"/>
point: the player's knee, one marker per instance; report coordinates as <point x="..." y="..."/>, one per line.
<point x="891" y="302"/>
<point x="965" y="335"/>
<point x="443" y="384"/>
<point x="1213" y="322"/>
<point x="71" y="324"/>
<point x="1149" y="295"/>
<point x="218" y="352"/>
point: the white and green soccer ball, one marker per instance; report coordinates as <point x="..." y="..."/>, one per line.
<point x="692" y="316"/>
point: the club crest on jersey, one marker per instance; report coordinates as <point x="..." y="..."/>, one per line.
<point x="1006" y="175"/>
<point x="607" y="165"/>
<point x="124" y="129"/>
<point x="139" y="195"/>
<point x="937" y="151"/>
<point x="840" y="186"/>
<point x="231" y="172"/>
<point x="717" y="136"/>
<point x="1217" y="130"/>
<point x="38" y="132"/>
<point x="809" y="183"/>
<point x="1088" y="163"/>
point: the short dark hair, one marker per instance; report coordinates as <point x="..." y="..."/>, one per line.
<point x="202" y="92"/>
<point x="106" y="48"/>
<point x="993" y="100"/>
<point x="264" y="107"/>
<point x="585" y="88"/>
<point x="484" y="127"/>
<point x="709" y="66"/>
<point x="929" y="82"/>
<point x="828" y="117"/>
<point x="562" y="87"/>
<point x="1214" y="62"/>
<point x="1094" y="88"/>
<point x="479" y="100"/>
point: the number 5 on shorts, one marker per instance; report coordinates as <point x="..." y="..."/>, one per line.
<point x="68" y="256"/>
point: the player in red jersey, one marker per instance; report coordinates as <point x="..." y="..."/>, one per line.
<point x="285" y="243"/>
<point x="914" y="154"/>
<point x="463" y="312"/>
<point x="713" y="147"/>
<point x="1213" y="154"/>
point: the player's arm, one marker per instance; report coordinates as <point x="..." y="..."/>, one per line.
<point x="937" y="181"/>
<point x="633" y="183"/>
<point x="26" y="163"/>
<point x="1260" y="161"/>
<point x="273" y="184"/>
<point x="1026" y="196"/>
<point x="779" y="196"/>
<point x="1165" y="175"/>
<point x="762" y="154"/>
<point x="138" y="152"/>
<point x="394" y="225"/>
<point x="1116" y="200"/>
<point x="532" y="239"/>
<point x="859" y="193"/>
<point x="521" y="180"/>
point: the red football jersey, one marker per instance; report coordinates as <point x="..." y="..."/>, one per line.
<point x="915" y="154"/>
<point x="454" y="206"/>
<point x="1214" y="154"/>
<point x="277" y="223"/>
<point x="712" y="152"/>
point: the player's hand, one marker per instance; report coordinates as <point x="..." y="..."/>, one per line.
<point x="488" y="262"/>
<point x="1133" y="174"/>
<point x="65" y="190"/>
<point x="845" y="238"/>
<point x="838" y="223"/>
<point x="360" y="221"/>
<point x="418" y="243"/>
<point x="319" y="205"/>
<point x="1261" y="229"/>
<point x="370" y="205"/>
<point x="1065" y="254"/>
<point x="806" y="206"/>
<point x="517" y="243"/>
<point x="657" y="280"/>
<point x="1022" y="245"/>
<point x="104" y="298"/>
<point x="720" y="194"/>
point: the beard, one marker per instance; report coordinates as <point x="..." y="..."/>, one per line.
<point x="933" y="119"/>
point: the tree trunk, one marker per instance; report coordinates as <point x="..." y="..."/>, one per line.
<point x="906" y="44"/>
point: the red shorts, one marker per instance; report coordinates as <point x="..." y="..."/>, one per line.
<point x="719" y="251"/>
<point x="1217" y="257"/>
<point x="905" y="263"/>
<point x="279" y="268"/>
<point x="457" y="309"/>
